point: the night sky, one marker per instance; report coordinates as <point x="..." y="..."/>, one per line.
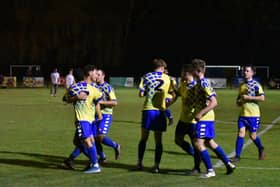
<point x="124" y="36"/>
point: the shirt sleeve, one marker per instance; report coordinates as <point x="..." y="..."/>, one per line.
<point x="112" y="95"/>
<point x="259" y="90"/>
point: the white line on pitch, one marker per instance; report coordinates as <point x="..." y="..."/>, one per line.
<point x="220" y="163"/>
<point x="257" y="168"/>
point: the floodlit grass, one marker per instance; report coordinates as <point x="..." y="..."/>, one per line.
<point x="37" y="130"/>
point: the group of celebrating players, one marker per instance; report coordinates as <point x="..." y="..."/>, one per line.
<point x="93" y="100"/>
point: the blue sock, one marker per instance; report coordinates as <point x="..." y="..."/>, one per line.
<point x="239" y="146"/>
<point x="258" y="143"/>
<point x="100" y="152"/>
<point x="168" y="113"/>
<point x="158" y="153"/>
<point x="93" y="154"/>
<point x="221" y="154"/>
<point x="206" y="159"/>
<point x="75" y="153"/>
<point x="84" y="149"/>
<point x="107" y="141"/>
<point x="141" y="150"/>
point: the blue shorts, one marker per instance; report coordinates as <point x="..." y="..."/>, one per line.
<point x="250" y="123"/>
<point x="103" y="126"/>
<point x="154" y="120"/>
<point x="205" y="130"/>
<point x="83" y="129"/>
<point x="183" y="129"/>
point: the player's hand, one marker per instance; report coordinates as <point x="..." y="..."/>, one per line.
<point x="198" y="117"/>
<point x="82" y="96"/>
<point x="239" y="102"/>
<point x="100" y="117"/>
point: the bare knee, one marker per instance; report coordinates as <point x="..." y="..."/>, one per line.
<point x="253" y="136"/>
<point x="88" y="142"/>
<point x="199" y="144"/>
<point x="212" y="144"/>
<point x="242" y="132"/>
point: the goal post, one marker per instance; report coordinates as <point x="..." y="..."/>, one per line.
<point x="27" y="75"/>
<point x="25" y="67"/>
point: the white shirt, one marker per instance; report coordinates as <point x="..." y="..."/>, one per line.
<point x="69" y="80"/>
<point x="55" y="77"/>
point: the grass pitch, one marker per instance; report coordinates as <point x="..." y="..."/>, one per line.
<point x="37" y="130"/>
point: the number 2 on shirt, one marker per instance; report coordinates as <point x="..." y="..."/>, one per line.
<point x="160" y="82"/>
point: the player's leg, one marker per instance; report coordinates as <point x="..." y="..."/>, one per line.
<point x="240" y="139"/>
<point x="180" y="132"/>
<point x="147" y="118"/>
<point x="52" y="89"/>
<point x="200" y="138"/>
<point x="221" y="155"/>
<point x="79" y="148"/>
<point x="99" y="148"/>
<point x="158" y="125"/>
<point x="142" y="147"/>
<point x="253" y="127"/>
<point x="205" y="157"/>
<point x="84" y="131"/>
<point x="102" y="157"/>
<point x="196" y="156"/>
<point x="102" y="132"/>
<point x="55" y="89"/>
<point x="92" y="153"/>
<point x="158" y="150"/>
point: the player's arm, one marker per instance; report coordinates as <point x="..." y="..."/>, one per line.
<point x="253" y="98"/>
<point x="98" y="111"/>
<point x="112" y="99"/>
<point x="258" y="97"/>
<point x="80" y="96"/>
<point x="177" y="93"/>
<point x="97" y="99"/>
<point x="172" y="92"/>
<point x="239" y="100"/>
<point x="212" y="103"/>
<point x="141" y="88"/>
<point x="173" y="100"/>
<point x="110" y="103"/>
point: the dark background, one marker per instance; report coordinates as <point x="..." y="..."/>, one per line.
<point x="123" y="36"/>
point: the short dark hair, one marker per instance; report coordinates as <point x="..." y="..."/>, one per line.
<point x="199" y="65"/>
<point x="103" y="72"/>
<point x="88" y="68"/>
<point x="158" y="62"/>
<point x="250" y="66"/>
